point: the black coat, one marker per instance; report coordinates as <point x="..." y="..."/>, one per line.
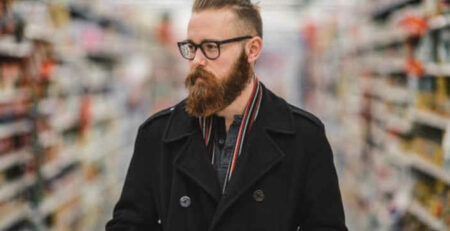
<point x="284" y="179"/>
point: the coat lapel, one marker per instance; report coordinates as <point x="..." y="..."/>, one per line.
<point x="192" y="159"/>
<point x="261" y="152"/>
<point x="259" y="158"/>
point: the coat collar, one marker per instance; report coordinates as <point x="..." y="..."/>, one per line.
<point x="180" y="124"/>
<point x="274" y="114"/>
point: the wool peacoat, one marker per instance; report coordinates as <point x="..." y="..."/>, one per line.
<point x="284" y="180"/>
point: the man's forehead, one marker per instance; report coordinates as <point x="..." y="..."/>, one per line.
<point x="212" y="24"/>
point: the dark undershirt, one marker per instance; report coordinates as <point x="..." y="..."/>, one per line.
<point x="224" y="144"/>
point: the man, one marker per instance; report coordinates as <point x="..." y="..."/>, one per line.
<point x="232" y="156"/>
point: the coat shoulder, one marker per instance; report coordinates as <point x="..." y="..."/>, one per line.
<point x="158" y="116"/>
<point x="303" y="114"/>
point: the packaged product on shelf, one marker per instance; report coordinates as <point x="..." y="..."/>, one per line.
<point x="432" y="195"/>
<point x="443" y="46"/>
<point x="425" y="51"/>
<point x="446" y="212"/>
<point x="412" y="223"/>
<point x="2" y="179"/>
<point x="14" y="143"/>
<point x="68" y="217"/>
<point x="446" y="107"/>
<point x="443" y="6"/>
<point x="427" y="143"/>
<point x="6" y="145"/>
<point x="440" y="95"/>
<point x="436" y="201"/>
<point x="431" y="8"/>
<point x="446" y="150"/>
<point x="425" y="94"/>
<point x="423" y="188"/>
<point x="10" y="23"/>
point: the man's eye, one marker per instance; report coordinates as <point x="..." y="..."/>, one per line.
<point x="210" y="46"/>
<point x="190" y="47"/>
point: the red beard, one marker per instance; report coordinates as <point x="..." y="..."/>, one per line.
<point x="209" y="94"/>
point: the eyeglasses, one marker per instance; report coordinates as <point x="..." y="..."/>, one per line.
<point x="209" y="48"/>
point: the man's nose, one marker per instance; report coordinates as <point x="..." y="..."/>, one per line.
<point x="199" y="58"/>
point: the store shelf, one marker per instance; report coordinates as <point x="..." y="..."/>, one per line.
<point x="386" y="9"/>
<point x="429" y="168"/>
<point x="396" y="94"/>
<point x="49" y="139"/>
<point x="431" y="119"/>
<point x="388" y="65"/>
<point x="15" y="215"/>
<point x="397" y="124"/>
<point x="439" y="22"/>
<point x="59" y="198"/>
<point x="414" y="161"/>
<point x="41" y="33"/>
<point x="437" y="70"/>
<point x="10" y="48"/>
<point x="15" y="128"/>
<point x="422" y="214"/>
<point x="8" y="97"/>
<point x="379" y="38"/>
<point x="104" y="112"/>
<point x="67" y="157"/>
<point x="16" y="186"/>
<point x="47" y="106"/>
<point x="10" y="159"/>
<point x="64" y="121"/>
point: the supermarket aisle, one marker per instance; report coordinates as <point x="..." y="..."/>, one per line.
<point x="378" y="75"/>
<point x="73" y="89"/>
<point x="78" y="77"/>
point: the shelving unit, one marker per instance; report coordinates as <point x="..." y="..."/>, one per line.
<point x="9" y="47"/>
<point x="391" y="82"/>
<point x="21" y="212"/>
<point x="422" y="214"/>
<point x="14" y="158"/>
<point x="68" y="113"/>
<point x="431" y="119"/>
<point x="14" y="187"/>
<point x="416" y="162"/>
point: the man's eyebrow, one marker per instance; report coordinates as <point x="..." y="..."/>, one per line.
<point x="204" y="40"/>
<point x="209" y="40"/>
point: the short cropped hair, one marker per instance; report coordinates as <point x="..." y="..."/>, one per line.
<point x="245" y="11"/>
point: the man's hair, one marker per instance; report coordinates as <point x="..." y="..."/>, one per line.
<point x="245" y="11"/>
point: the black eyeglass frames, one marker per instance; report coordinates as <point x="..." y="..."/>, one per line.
<point x="209" y="48"/>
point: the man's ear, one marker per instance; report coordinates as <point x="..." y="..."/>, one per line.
<point x="253" y="49"/>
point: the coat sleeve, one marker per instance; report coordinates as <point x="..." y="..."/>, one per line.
<point x="136" y="209"/>
<point x="322" y="207"/>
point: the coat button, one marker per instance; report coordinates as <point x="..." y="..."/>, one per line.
<point x="258" y="195"/>
<point x="185" y="201"/>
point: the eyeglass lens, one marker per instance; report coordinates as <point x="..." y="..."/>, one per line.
<point x="209" y="49"/>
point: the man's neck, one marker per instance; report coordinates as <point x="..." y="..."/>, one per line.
<point x="237" y="107"/>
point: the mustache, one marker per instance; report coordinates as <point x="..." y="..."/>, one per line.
<point x="196" y="74"/>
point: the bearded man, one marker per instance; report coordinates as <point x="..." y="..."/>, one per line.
<point x="233" y="155"/>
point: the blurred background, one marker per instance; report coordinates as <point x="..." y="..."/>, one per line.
<point x="77" y="78"/>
